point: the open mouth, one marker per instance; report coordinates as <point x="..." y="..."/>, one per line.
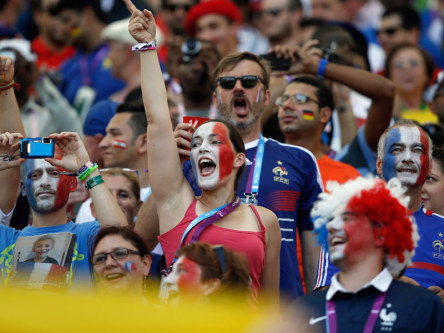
<point x="336" y="240"/>
<point x="206" y="166"/>
<point x="240" y="106"/>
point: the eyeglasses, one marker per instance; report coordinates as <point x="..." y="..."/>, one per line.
<point x="247" y="81"/>
<point x="296" y="99"/>
<point x="117" y="254"/>
<point x="173" y="8"/>
<point x="388" y="31"/>
<point x="272" y="11"/>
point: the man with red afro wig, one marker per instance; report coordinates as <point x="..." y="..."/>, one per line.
<point x="216" y="21"/>
<point x="371" y="238"/>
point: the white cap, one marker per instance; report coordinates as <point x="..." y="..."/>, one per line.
<point x="22" y="46"/>
<point x="118" y="31"/>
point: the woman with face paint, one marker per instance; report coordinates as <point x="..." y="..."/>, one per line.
<point x="217" y="157"/>
<point x="121" y="261"/>
<point x="207" y="272"/>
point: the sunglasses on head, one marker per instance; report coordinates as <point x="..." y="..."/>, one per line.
<point x="117" y="254"/>
<point x="389" y="31"/>
<point x="173" y="8"/>
<point x="247" y="81"/>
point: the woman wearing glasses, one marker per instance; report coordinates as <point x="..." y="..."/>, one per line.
<point x="121" y="261"/>
<point x="217" y="158"/>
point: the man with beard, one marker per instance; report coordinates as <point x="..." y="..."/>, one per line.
<point x="279" y="21"/>
<point x="193" y="63"/>
<point x="86" y="77"/>
<point x="47" y="184"/>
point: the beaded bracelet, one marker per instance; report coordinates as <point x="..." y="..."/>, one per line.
<point x="87" y="172"/>
<point x="93" y="182"/>
<point x="9" y="85"/>
<point x="321" y="67"/>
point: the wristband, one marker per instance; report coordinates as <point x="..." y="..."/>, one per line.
<point x="87" y="172"/>
<point x="85" y="167"/>
<point x="321" y="67"/>
<point x="93" y="182"/>
<point x="11" y="84"/>
<point x="145" y="46"/>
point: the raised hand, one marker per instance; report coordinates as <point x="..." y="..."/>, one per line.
<point x="6" y="70"/>
<point x="142" y="25"/>
<point x="73" y="149"/>
<point x="9" y="150"/>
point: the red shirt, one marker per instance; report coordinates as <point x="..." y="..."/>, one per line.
<point x="48" y="58"/>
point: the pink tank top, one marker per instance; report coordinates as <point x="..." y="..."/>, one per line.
<point x="249" y="243"/>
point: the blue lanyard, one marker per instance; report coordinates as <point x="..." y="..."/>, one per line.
<point x="199" y="219"/>
<point x="252" y="187"/>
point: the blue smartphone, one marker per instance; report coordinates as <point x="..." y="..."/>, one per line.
<point x="36" y="148"/>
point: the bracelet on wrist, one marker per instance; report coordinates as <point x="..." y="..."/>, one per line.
<point x="145" y="46"/>
<point x="321" y="67"/>
<point x="87" y="172"/>
<point x="93" y="182"/>
<point x="85" y="167"/>
<point x="11" y="84"/>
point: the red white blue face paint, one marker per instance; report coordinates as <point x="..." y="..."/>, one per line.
<point x="406" y="155"/>
<point x="130" y="266"/>
<point x="119" y="144"/>
<point x="46" y="189"/>
<point x="212" y="155"/>
<point x="259" y="93"/>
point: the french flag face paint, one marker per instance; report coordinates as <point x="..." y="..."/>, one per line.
<point x="130" y="266"/>
<point x="406" y="155"/>
<point x="119" y="144"/>
<point x="212" y="155"/>
<point x="46" y="189"/>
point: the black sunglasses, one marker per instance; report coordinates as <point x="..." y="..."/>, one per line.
<point x="389" y="31"/>
<point x="272" y="11"/>
<point x="173" y="8"/>
<point x="247" y="81"/>
<point x="117" y="254"/>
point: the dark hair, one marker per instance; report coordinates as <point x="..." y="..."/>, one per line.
<point x="79" y="5"/>
<point x="438" y="156"/>
<point x="408" y="15"/>
<point x="428" y="61"/>
<point x="237" y="142"/>
<point x="134" y="95"/>
<point x="294" y="4"/>
<point x="237" y="270"/>
<point x="311" y="21"/>
<point x="138" y="121"/>
<point x="230" y="61"/>
<point x="323" y="94"/>
<point x="124" y="232"/>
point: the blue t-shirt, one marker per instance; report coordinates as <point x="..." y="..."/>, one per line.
<point x="72" y="248"/>
<point x="290" y="182"/>
<point x="91" y="70"/>
<point x="428" y="261"/>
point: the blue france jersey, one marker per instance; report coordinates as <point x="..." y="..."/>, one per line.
<point x="428" y="261"/>
<point x="290" y="182"/>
